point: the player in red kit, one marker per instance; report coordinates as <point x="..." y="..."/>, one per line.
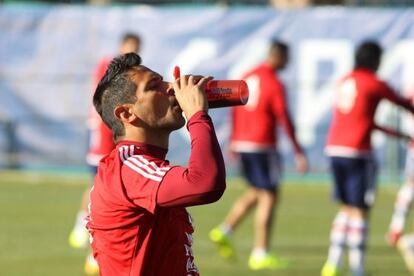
<point x="352" y="162"/>
<point x="137" y="220"/>
<point x="402" y="206"/>
<point x="101" y="143"/>
<point x="254" y="140"/>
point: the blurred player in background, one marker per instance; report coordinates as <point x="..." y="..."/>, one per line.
<point x="352" y="161"/>
<point x="402" y="207"/>
<point x="137" y="220"/>
<point x="254" y="141"/>
<point x="100" y="144"/>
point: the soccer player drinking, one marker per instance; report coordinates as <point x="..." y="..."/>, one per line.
<point x="137" y="220"/>
<point x="353" y="166"/>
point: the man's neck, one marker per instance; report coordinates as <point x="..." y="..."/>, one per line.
<point x="155" y="138"/>
<point x="272" y="65"/>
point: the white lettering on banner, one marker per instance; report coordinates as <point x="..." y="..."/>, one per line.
<point x="315" y="101"/>
<point x="254" y="54"/>
<point x="253" y="83"/>
<point x="196" y="51"/>
<point x="314" y="95"/>
<point x="400" y="59"/>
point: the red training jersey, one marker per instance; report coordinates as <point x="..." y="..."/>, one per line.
<point x="254" y="124"/>
<point x="356" y="100"/>
<point x="100" y="136"/>
<point x="137" y="220"/>
<point x="130" y="235"/>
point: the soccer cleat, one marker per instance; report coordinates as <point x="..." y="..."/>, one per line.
<point x="269" y="261"/>
<point x="91" y="265"/>
<point x="393" y="237"/>
<point x="224" y="245"/>
<point x="79" y="238"/>
<point x="329" y="270"/>
<point x="406" y="247"/>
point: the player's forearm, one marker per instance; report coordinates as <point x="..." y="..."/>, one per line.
<point x="290" y="131"/>
<point x="393" y="132"/>
<point x="206" y="157"/>
<point x="406" y="103"/>
<point x="206" y="164"/>
<point x="204" y="179"/>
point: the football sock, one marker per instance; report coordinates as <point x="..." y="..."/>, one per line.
<point x="401" y="208"/>
<point x="259" y="253"/>
<point x="337" y="239"/>
<point x="356" y="241"/>
<point x="80" y="223"/>
<point x="226" y="229"/>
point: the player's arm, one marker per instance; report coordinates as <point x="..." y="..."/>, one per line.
<point x="393" y="132"/>
<point x="204" y="180"/>
<point x="388" y="93"/>
<point x="281" y="109"/>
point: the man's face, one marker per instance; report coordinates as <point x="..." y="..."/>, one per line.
<point x="156" y="105"/>
<point x="130" y="46"/>
<point x="283" y="60"/>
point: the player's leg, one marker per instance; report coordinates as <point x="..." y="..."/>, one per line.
<point x="402" y="203"/>
<point x="337" y="239"/>
<point x="266" y="180"/>
<point x="221" y="235"/>
<point x="263" y="219"/>
<point x="340" y="222"/>
<point x="79" y="236"/>
<point x="240" y="209"/>
<point x="357" y="240"/>
<point x="260" y="257"/>
<point x="401" y="208"/>
<point x="406" y="247"/>
<point x="362" y="195"/>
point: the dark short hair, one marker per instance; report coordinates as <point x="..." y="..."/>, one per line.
<point x="279" y="46"/>
<point x="116" y="88"/>
<point x="130" y="36"/>
<point x="368" y="55"/>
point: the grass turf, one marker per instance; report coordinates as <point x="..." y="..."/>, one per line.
<point x="37" y="212"/>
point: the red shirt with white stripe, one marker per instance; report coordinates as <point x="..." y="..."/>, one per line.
<point x="357" y="97"/>
<point x="101" y="142"/>
<point x="137" y="219"/>
<point x="254" y="124"/>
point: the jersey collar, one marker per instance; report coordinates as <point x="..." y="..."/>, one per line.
<point x="142" y="148"/>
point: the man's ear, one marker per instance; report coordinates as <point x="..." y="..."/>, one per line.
<point x="124" y="114"/>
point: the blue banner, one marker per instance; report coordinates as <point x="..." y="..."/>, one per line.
<point x="48" y="54"/>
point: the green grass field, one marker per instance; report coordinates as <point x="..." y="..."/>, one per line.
<point x="37" y="212"/>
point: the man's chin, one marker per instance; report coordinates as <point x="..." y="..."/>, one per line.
<point x="181" y="123"/>
<point x="177" y="124"/>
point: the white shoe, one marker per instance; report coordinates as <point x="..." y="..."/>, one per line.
<point x="406" y="247"/>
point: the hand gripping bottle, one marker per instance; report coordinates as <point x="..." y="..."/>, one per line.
<point x="223" y="93"/>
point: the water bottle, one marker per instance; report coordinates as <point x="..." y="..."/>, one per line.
<point x="223" y="93"/>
